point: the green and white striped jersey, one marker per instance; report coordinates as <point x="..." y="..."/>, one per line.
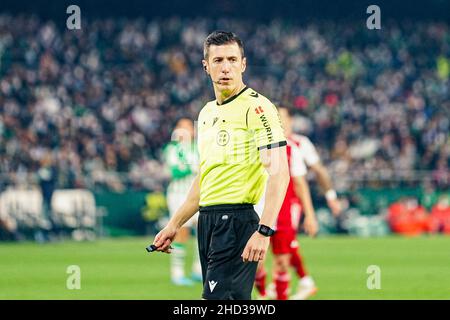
<point x="182" y="162"/>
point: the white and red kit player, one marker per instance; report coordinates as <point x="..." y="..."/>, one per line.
<point x="284" y="242"/>
<point x="306" y="286"/>
<point x="293" y="205"/>
<point x="313" y="163"/>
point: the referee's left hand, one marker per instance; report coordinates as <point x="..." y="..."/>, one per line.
<point x="256" y="248"/>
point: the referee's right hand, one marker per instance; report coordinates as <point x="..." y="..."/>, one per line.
<point x="164" y="238"/>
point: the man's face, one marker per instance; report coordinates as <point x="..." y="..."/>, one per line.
<point x="286" y="120"/>
<point x="225" y="65"/>
<point x="184" y="131"/>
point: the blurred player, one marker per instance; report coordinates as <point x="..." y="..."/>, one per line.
<point x="181" y="158"/>
<point x="306" y="286"/>
<point x="313" y="163"/>
<point x="284" y="243"/>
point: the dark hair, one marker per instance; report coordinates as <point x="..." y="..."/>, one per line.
<point x="289" y="111"/>
<point x="181" y="118"/>
<point x="219" y="38"/>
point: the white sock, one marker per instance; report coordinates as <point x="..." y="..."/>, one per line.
<point x="177" y="261"/>
<point x="306" y="281"/>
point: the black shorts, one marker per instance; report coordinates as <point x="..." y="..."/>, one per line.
<point x="223" y="232"/>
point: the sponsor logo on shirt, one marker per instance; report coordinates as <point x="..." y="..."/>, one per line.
<point x="266" y="125"/>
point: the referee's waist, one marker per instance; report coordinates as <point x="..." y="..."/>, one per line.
<point x="226" y="207"/>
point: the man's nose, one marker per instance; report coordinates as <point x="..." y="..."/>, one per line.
<point x="226" y="67"/>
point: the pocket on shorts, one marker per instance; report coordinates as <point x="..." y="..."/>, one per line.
<point x="246" y="225"/>
<point x="256" y="216"/>
<point x="223" y="240"/>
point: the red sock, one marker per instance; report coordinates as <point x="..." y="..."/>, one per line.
<point x="260" y="282"/>
<point x="297" y="263"/>
<point x="282" y="285"/>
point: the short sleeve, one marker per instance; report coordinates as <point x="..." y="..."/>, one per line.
<point x="297" y="164"/>
<point x="309" y="152"/>
<point x="264" y="122"/>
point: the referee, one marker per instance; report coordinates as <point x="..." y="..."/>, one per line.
<point x="242" y="149"/>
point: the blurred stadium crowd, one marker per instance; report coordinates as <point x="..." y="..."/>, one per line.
<point x="93" y="107"/>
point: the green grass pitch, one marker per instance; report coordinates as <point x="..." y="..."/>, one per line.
<point x="120" y="268"/>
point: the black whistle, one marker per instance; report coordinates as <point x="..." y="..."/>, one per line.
<point x="151" y="248"/>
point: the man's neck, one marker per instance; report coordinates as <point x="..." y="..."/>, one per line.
<point x="221" y="98"/>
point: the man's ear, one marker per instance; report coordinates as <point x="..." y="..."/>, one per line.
<point x="244" y="64"/>
<point x="205" y="66"/>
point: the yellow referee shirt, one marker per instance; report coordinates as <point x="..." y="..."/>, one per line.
<point x="230" y="136"/>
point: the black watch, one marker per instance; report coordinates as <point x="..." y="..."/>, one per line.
<point x="265" y="230"/>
